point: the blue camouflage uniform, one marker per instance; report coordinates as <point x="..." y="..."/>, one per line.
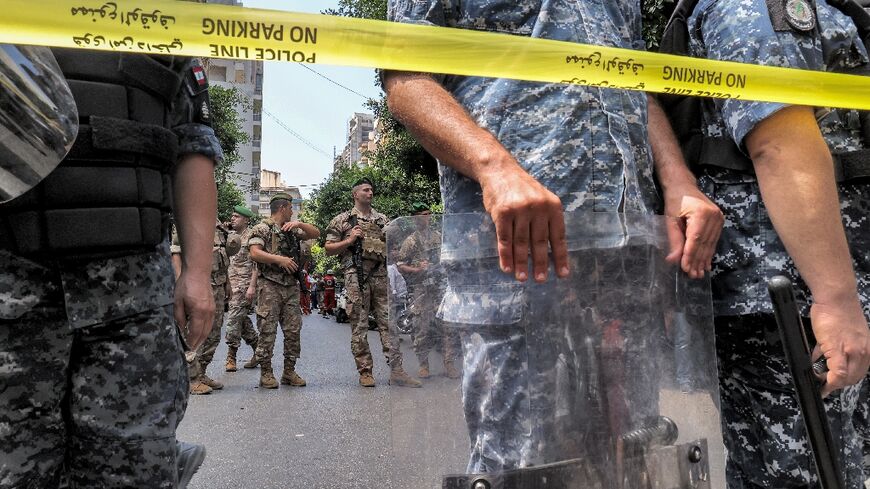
<point x="587" y="145"/>
<point x="93" y="381"/>
<point x="763" y="432"/>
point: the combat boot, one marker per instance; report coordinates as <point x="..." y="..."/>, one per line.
<point x="252" y="363"/>
<point x="290" y="377"/>
<point x="401" y="378"/>
<point x="423" y="373"/>
<point x="205" y="379"/>
<point x="231" y="359"/>
<point x="366" y="379"/>
<point x="197" y="388"/>
<point x="267" y="378"/>
<point x="451" y="371"/>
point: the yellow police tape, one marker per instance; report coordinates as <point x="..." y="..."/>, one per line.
<point x="172" y="27"/>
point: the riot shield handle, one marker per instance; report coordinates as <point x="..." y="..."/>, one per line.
<point x="806" y="383"/>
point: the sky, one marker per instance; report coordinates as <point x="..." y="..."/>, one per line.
<point x="309" y="105"/>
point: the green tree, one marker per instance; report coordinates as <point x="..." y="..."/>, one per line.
<point x="655" y="17"/>
<point x="228" y="127"/>
<point x="322" y="263"/>
<point x="395" y="191"/>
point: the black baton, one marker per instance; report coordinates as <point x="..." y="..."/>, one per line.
<point x="806" y="382"/>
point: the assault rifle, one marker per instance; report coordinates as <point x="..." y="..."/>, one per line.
<point x="296" y="255"/>
<point x="356" y="250"/>
<point x="806" y="381"/>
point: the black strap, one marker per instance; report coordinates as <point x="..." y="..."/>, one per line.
<point x="365" y="277"/>
<point x="852" y="165"/>
<point x="149" y="74"/>
<point x="724" y="153"/>
<point x="110" y="134"/>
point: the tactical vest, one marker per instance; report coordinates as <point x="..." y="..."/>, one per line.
<point x="112" y="193"/>
<point x="374" y="244"/>
<point x="686" y="113"/>
<point x="279" y="243"/>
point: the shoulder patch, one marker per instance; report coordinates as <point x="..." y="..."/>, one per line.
<point x="792" y="15"/>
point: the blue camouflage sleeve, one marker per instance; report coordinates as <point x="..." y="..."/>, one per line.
<point x="741" y="31"/>
<point x="428" y="12"/>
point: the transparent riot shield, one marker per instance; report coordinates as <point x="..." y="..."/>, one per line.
<point x="604" y="380"/>
<point x="38" y="118"/>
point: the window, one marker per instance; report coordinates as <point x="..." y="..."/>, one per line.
<point x="258" y="110"/>
<point x="217" y="73"/>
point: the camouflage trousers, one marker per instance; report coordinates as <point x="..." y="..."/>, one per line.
<point x="545" y="375"/>
<point x="205" y="352"/>
<point x="239" y="325"/>
<point x="429" y="331"/>
<point x="96" y="406"/>
<point x="372" y="300"/>
<point x="276" y="304"/>
<point x="862" y="423"/>
<point x="762" y="427"/>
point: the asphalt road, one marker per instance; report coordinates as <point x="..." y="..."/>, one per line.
<point x="330" y="434"/>
<point x="334" y="434"/>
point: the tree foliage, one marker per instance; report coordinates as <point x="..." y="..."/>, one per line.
<point x="361" y="9"/>
<point x="228" y="127"/>
<point x="323" y="263"/>
<point x="395" y="191"/>
<point x="655" y="17"/>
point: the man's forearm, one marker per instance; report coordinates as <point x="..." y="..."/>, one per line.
<point x="259" y="255"/>
<point x="311" y="231"/>
<point x="195" y="197"/>
<point x="443" y="127"/>
<point x="255" y="273"/>
<point x="338" y="247"/>
<point x="668" y="160"/>
<point x="796" y="176"/>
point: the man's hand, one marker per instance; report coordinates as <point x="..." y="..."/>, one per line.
<point x="356" y="233"/>
<point x="694" y="226"/>
<point x="528" y="219"/>
<point x="287" y="226"/>
<point x="249" y="295"/>
<point x="288" y="264"/>
<point x="194" y="307"/>
<point x="843" y="338"/>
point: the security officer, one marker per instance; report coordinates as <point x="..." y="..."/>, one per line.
<point x="273" y="244"/>
<point x="243" y="283"/>
<point x="783" y="215"/>
<point x="94" y="378"/>
<point x="418" y="261"/>
<point x="366" y="282"/>
<point x="223" y="248"/>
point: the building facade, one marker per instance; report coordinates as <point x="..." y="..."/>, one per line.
<point x="361" y="138"/>
<point x="271" y="184"/>
<point x="247" y="77"/>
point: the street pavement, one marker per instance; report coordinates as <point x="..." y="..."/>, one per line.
<point x="335" y="434"/>
<point x="332" y="433"/>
